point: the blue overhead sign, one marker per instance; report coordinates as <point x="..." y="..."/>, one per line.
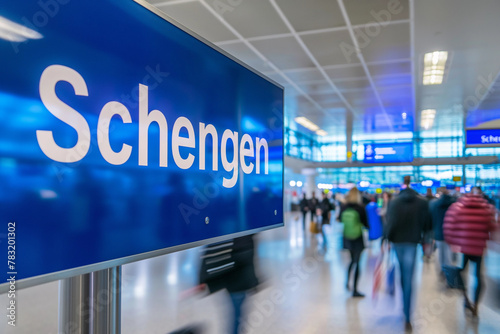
<point x="123" y="137"/>
<point x="388" y="153"/>
<point x="482" y="137"/>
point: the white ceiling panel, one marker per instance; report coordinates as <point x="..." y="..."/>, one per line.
<point x="365" y="98"/>
<point x="251" y="18"/>
<point x="367" y="11"/>
<point x="346" y="73"/>
<point x="331" y="48"/>
<point x="330" y="100"/>
<point x="304" y="75"/>
<point x="361" y="83"/>
<point x="285" y="53"/>
<point x="318" y="87"/>
<point x="243" y="53"/>
<point x="396" y="68"/>
<point x="392" y="80"/>
<point x="392" y="42"/>
<point x="312" y="14"/>
<point x="198" y="19"/>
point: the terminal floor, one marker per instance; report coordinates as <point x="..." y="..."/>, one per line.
<point x="303" y="291"/>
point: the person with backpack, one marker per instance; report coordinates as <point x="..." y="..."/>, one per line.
<point x="408" y="218"/>
<point x="353" y="216"/>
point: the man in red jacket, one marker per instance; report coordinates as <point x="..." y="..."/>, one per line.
<point x="467" y="227"/>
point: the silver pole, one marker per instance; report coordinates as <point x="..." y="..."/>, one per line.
<point x="74" y="305"/>
<point x="106" y="301"/>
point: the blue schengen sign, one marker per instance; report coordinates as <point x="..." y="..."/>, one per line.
<point x="122" y="137"/>
<point x="482" y="137"/>
<point x="388" y="153"/>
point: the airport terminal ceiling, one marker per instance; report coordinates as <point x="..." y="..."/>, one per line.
<point x="362" y="60"/>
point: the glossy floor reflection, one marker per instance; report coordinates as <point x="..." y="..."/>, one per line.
<point x="303" y="292"/>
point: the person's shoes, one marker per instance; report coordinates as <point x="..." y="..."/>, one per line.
<point x="468" y="306"/>
<point x="474" y="311"/>
<point x="356" y="294"/>
<point x="408" y="327"/>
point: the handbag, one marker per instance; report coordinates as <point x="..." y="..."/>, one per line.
<point x="314" y="227"/>
<point x="454" y="277"/>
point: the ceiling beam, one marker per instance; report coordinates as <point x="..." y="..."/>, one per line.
<point x="469" y="160"/>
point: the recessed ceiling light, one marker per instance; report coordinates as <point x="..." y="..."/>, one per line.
<point x="310" y="125"/>
<point x="427" y="118"/>
<point x="306" y="123"/>
<point x="434" y="67"/>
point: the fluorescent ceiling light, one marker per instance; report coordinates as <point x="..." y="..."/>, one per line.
<point x="427" y="118"/>
<point x="14" y="32"/>
<point x="306" y="123"/>
<point x="321" y="133"/>
<point x="434" y="66"/>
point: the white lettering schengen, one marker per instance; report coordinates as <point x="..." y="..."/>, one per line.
<point x="489" y="139"/>
<point x="241" y="150"/>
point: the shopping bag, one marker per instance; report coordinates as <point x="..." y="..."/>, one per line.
<point x="391" y="274"/>
<point x="454" y="277"/>
<point x="314" y="227"/>
<point x="385" y="272"/>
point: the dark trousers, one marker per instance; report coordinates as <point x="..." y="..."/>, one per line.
<point x="355" y="256"/>
<point x="304" y="214"/>
<point x="478" y="260"/>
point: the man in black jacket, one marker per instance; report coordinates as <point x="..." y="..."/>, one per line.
<point x="438" y="209"/>
<point x="304" y="208"/>
<point x="408" y="217"/>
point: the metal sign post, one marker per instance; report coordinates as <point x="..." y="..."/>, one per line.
<point x="74" y="304"/>
<point x="91" y="303"/>
<point x="106" y="300"/>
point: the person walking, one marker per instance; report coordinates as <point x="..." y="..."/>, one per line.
<point x="313" y="206"/>
<point x="467" y="226"/>
<point x="326" y="207"/>
<point x="408" y="218"/>
<point x="428" y="240"/>
<point x="304" y="208"/>
<point x="353" y="216"/>
<point x="230" y="265"/>
<point x="438" y="209"/>
<point x="372" y="210"/>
